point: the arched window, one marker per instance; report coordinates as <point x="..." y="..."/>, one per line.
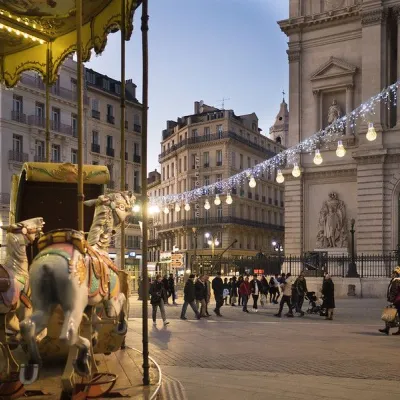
<point x="279" y="140"/>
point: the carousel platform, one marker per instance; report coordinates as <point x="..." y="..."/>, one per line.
<point x="125" y="364"/>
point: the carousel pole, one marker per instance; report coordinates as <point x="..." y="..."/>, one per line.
<point x="79" y="71"/>
<point x="47" y="83"/>
<point x="145" y="101"/>
<point x="123" y="112"/>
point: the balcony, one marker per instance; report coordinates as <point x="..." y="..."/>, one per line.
<point x="154" y="242"/>
<point x="136" y="158"/>
<point x="137" y="128"/>
<point x="18" y="117"/>
<point x="95" y="148"/>
<point x="35" y="120"/>
<point x="57" y="126"/>
<point x="219" y="163"/>
<point x="110" y="151"/>
<point x="17" y="156"/>
<point x="39" y="158"/>
<point x="110" y="119"/>
<point x="96" y="114"/>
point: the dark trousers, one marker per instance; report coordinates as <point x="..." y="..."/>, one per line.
<point x="285" y="299"/>
<point x="245" y="299"/>
<point x="255" y="300"/>
<point x="219" y="301"/>
<point x="240" y="299"/>
<point x="173" y="295"/>
<point x="272" y="294"/>
<point x="299" y="302"/>
<point x="185" y="306"/>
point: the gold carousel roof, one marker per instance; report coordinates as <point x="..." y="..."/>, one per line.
<point x="29" y="27"/>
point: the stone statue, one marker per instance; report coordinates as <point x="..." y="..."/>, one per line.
<point x="334" y="112"/>
<point x="332" y="224"/>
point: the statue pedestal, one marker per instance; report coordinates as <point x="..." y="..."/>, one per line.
<point x="335" y="251"/>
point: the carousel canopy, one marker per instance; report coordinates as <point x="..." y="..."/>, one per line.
<point x="33" y="32"/>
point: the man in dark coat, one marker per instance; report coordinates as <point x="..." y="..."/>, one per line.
<point x="171" y="288"/>
<point x="166" y="288"/>
<point x="300" y="289"/>
<point x="189" y="298"/>
<point x="157" y="299"/>
<point x="201" y="294"/>
<point x="218" y="288"/>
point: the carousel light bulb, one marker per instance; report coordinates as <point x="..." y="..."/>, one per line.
<point x="177" y="207"/>
<point x="9" y="29"/>
<point x="41" y="41"/>
<point x="26" y="36"/>
<point x="207" y="205"/>
<point x="229" y="199"/>
<point x="187" y="207"/>
<point x="217" y="200"/>
<point x="296" y="171"/>
<point x="136" y="208"/>
<point x="1" y="26"/>
<point x="318" y="158"/>
<point x="166" y="210"/>
<point x="340" y="151"/>
<point x="17" y="32"/>
<point x="252" y="182"/>
<point x="279" y="177"/>
<point x="371" y="134"/>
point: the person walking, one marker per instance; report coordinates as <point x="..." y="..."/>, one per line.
<point x="208" y="292"/>
<point x="189" y="298"/>
<point x="273" y="289"/>
<point x="239" y="283"/>
<point x="218" y="288"/>
<point x="300" y="287"/>
<point x="244" y="292"/>
<point x="166" y="287"/>
<point x="286" y="296"/>
<point x="328" y="293"/>
<point x="171" y="288"/>
<point x="200" y="290"/>
<point x="234" y="291"/>
<point x="264" y="291"/>
<point x="393" y="297"/>
<point x="227" y="286"/>
<point x="256" y="288"/>
<point x="157" y="293"/>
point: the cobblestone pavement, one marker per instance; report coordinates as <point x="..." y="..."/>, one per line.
<point x="348" y="348"/>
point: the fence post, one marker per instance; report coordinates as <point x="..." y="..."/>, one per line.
<point x="343" y="262"/>
<point x="362" y="265"/>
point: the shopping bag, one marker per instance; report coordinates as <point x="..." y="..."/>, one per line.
<point x="389" y="314"/>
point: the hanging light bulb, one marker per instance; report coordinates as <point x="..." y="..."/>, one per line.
<point x="340" y="151"/>
<point x="177" y="207"/>
<point x="207" y="205"/>
<point x="187" y="207"/>
<point x="166" y="210"/>
<point x="156" y="209"/>
<point x="279" y="177"/>
<point x="296" y="170"/>
<point x="252" y="182"/>
<point x="229" y="199"/>
<point x="217" y="200"/>
<point x="318" y="158"/>
<point x="371" y="134"/>
<point x="136" y="208"/>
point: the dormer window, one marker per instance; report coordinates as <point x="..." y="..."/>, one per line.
<point x="106" y="84"/>
<point x="117" y="89"/>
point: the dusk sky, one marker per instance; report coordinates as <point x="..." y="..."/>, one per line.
<point x="206" y="50"/>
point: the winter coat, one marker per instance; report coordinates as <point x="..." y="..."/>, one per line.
<point x="234" y="289"/>
<point x="245" y="288"/>
<point x="253" y="284"/>
<point x="218" y="286"/>
<point x="287" y="286"/>
<point x="171" y="285"/>
<point x="200" y="290"/>
<point x="189" y="291"/>
<point x="393" y="289"/>
<point x="328" y="292"/>
<point x="207" y="284"/>
<point x="157" y="292"/>
<point x="300" y="286"/>
<point x="264" y="285"/>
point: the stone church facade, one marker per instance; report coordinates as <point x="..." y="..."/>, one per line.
<point x="342" y="52"/>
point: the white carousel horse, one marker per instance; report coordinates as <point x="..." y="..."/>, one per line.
<point x="62" y="275"/>
<point x="14" y="285"/>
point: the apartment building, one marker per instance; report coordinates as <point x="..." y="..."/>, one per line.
<point x="22" y="139"/>
<point x="206" y="147"/>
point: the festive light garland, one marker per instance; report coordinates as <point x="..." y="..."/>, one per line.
<point x="319" y="140"/>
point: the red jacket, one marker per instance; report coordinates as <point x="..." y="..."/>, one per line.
<point x="245" y="289"/>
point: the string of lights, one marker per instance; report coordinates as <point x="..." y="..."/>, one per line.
<point x="288" y="157"/>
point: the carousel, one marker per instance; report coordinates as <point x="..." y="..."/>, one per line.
<point x="63" y="302"/>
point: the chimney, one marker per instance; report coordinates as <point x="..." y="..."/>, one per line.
<point x="130" y="88"/>
<point x="197" y="107"/>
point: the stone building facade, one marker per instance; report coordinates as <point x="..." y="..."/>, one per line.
<point x="342" y="52"/>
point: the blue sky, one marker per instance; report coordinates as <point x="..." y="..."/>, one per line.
<point x="206" y="50"/>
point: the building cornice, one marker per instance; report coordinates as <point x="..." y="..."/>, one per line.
<point x="331" y="173"/>
<point x="373" y="17"/>
<point x="373" y="156"/>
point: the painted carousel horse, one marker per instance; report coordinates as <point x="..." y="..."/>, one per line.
<point x="77" y="275"/>
<point x="15" y="304"/>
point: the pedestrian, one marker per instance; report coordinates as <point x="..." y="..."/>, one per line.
<point x="189" y="298"/>
<point x="286" y="295"/>
<point x="239" y="283"/>
<point x="328" y="293"/>
<point x="208" y="292"/>
<point x="226" y="292"/>
<point x="218" y="288"/>
<point x="300" y="287"/>
<point x="264" y="291"/>
<point x="200" y="291"/>
<point x="171" y="288"/>
<point x="157" y="299"/>
<point x="244" y="292"/>
<point x="393" y="297"/>
<point x="166" y="287"/>
<point x="256" y="288"/>
<point x="234" y="291"/>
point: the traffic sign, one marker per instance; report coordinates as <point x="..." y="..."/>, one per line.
<point x="176" y="260"/>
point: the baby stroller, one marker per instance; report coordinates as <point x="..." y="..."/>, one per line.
<point x="314" y="304"/>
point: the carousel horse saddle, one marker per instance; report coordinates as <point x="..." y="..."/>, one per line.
<point x="76" y="238"/>
<point x="5" y="282"/>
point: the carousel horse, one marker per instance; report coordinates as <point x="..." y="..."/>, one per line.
<point x="15" y="304"/>
<point x="77" y="275"/>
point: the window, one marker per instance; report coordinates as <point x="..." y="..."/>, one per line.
<point x="74" y="156"/>
<point x="206" y="159"/>
<point x="95" y="163"/>
<point x="180" y="165"/>
<point x="241" y="161"/>
<point x="136" y="149"/>
<point x="117" y="88"/>
<point x="163" y="173"/>
<point x="91" y="77"/>
<point x="184" y="163"/>
<point x="17" y="104"/>
<point x="206" y="180"/>
<point x="39" y="113"/>
<point x="254" y="126"/>
<point x="233" y="160"/>
<point x="194" y="133"/>
<point x="74" y="124"/>
<point x="167" y="171"/>
<point x="194" y="160"/>
<point x="136" y="181"/>
<point x="106" y="84"/>
<point x="95" y="105"/>
<point x="219" y="212"/>
<point x="219" y="157"/>
<point x="207" y="131"/>
<point x="17" y="143"/>
<point x="95" y="137"/>
<point x="39" y="150"/>
<point x="109" y="142"/>
<point x="110" y="110"/>
<point x="172" y="170"/>
<point x="219" y="131"/>
<point x="55" y="116"/>
<point x="73" y="85"/>
<point x="55" y="153"/>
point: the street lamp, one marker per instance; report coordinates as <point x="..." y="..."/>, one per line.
<point x="279" y="248"/>
<point x="211" y="242"/>
<point x="352" y="271"/>
<point x="194" y="229"/>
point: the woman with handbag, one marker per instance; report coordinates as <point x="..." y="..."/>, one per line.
<point x="393" y="297"/>
<point x="328" y="294"/>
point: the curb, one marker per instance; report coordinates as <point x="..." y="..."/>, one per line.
<point x="172" y="389"/>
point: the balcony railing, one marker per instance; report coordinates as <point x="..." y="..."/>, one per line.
<point x="17" y="156"/>
<point x="36" y="121"/>
<point x="95" y="148"/>
<point x="136" y="159"/>
<point x="110" y="151"/>
<point x="219" y="163"/>
<point x="110" y="119"/>
<point x="39" y="158"/>
<point x="96" y="114"/>
<point x="18" y="117"/>
<point x="154" y="242"/>
<point x="137" y="128"/>
<point x="57" y="126"/>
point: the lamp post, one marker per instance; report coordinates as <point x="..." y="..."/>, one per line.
<point x="352" y="271"/>
<point x="279" y="248"/>
<point x="194" y="229"/>
<point x="211" y="242"/>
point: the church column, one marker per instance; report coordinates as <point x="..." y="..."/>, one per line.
<point x="349" y="106"/>
<point x="317" y="107"/>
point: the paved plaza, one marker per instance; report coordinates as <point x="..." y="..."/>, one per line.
<point x="255" y="356"/>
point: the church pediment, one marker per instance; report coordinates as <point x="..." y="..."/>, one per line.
<point x="334" y="67"/>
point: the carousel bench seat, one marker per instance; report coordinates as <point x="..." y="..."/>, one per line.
<point x="76" y="238"/>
